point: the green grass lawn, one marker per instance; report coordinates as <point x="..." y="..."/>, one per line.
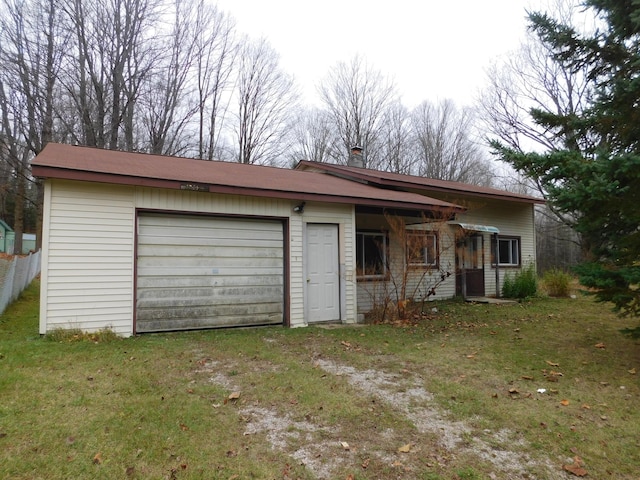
<point x="361" y="402"/>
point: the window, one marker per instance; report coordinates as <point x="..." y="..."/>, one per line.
<point x="371" y="254"/>
<point x="508" y="251"/>
<point x="422" y="249"/>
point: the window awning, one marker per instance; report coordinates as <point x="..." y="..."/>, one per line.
<point x="472" y="227"/>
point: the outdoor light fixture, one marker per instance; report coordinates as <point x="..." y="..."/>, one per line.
<point x="299" y="208"/>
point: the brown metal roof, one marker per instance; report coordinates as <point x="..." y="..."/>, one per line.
<point x="110" y="166"/>
<point x="429" y="185"/>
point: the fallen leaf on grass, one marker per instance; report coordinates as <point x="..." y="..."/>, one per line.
<point x="130" y="471"/>
<point x="552" y="364"/>
<point x="564" y="403"/>
<point x="345" y="445"/>
<point x="183" y="427"/>
<point x="345" y="344"/>
<point x="632" y="371"/>
<point x="576" y="467"/>
<point x="97" y="458"/>
<point x="232" y="396"/>
<point x="599" y="345"/>
<point x="405" y="448"/>
<point x="526" y="377"/>
<point x="350" y="477"/>
<point x="365" y="464"/>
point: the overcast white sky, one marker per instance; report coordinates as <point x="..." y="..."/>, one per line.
<point x="432" y="49"/>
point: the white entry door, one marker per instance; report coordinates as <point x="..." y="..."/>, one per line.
<point x="323" y="276"/>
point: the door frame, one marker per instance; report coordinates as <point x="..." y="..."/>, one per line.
<point x="462" y="272"/>
<point x="336" y="263"/>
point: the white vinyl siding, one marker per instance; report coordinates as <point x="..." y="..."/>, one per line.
<point x="89" y="243"/>
<point x="88" y="266"/>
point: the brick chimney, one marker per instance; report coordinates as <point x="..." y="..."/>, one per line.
<point x="355" y="157"/>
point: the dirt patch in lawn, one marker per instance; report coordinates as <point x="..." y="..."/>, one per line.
<point x="320" y="449"/>
<point x="409" y="397"/>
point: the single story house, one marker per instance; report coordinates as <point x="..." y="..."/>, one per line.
<point x="144" y="243"/>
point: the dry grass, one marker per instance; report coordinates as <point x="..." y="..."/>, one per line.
<point x="451" y="395"/>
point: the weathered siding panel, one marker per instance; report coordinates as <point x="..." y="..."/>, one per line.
<point x="88" y="277"/>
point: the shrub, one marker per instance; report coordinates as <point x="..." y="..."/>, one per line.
<point x="556" y="282"/>
<point x="524" y="283"/>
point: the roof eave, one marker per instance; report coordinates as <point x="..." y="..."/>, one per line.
<point x="369" y="177"/>
<point x="42" y="171"/>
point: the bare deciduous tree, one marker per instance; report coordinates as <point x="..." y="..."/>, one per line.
<point x="108" y="62"/>
<point x="396" y="141"/>
<point x="313" y="136"/>
<point x="30" y="59"/>
<point x="165" y="104"/>
<point x="265" y="95"/>
<point x="216" y="52"/>
<point x="357" y="97"/>
<point x="445" y="144"/>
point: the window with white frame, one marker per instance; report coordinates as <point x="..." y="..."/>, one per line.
<point x="371" y="254"/>
<point x="509" y="251"/>
<point x="422" y="249"/>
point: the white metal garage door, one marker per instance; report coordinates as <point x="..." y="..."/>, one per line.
<point x="203" y="272"/>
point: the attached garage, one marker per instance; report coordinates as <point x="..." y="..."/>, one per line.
<point x="197" y="271"/>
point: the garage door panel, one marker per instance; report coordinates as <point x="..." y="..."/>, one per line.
<point x="162" y="277"/>
<point x="157" y="253"/>
<point x="198" y="272"/>
<point x="210" y="241"/>
<point x="204" y="296"/>
<point x="193" y="323"/>
<point x="209" y="265"/>
<point x="163" y="281"/>
<point x="223" y="230"/>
